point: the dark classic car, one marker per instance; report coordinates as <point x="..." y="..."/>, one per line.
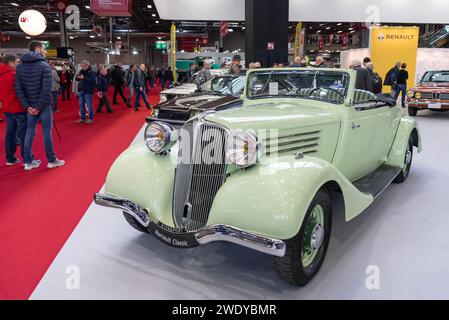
<point x="432" y="92"/>
<point x="220" y="93"/>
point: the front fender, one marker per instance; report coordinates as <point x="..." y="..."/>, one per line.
<point x="272" y="198"/>
<point x="146" y="179"/>
<point x="406" y="127"/>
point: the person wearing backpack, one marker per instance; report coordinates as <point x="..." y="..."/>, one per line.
<point x="375" y="78"/>
<point x="391" y="78"/>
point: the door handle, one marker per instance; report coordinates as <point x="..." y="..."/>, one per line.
<point x="355" y="126"/>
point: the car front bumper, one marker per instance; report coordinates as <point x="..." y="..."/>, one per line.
<point x="424" y="104"/>
<point x="212" y="233"/>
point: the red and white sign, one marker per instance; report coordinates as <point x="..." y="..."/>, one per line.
<point x="112" y="8"/>
<point x="224" y="29"/>
<point x="321" y="43"/>
<point x="270" y="45"/>
<point x="61" y="5"/>
<point x="344" y="40"/>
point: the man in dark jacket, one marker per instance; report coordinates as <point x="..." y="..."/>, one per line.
<point x="87" y="80"/>
<point x="118" y="82"/>
<point x="391" y="78"/>
<point x="33" y="87"/>
<point x="102" y="86"/>
<point x="139" y="86"/>
<point x="15" y="114"/>
<point x="363" y="80"/>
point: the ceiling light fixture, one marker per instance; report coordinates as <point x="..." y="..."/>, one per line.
<point x="72" y="37"/>
<point x="91" y="36"/>
<point x="56" y="20"/>
<point x="328" y="28"/>
<point x="119" y="38"/>
<point x="157" y="21"/>
<point x="28" y="37"/>
<point x="14" y="4"/>
<point x="153" y="15"/>
<point x="230" y="30"/>
<point x="339" y="24"/>
<point x="149" y="6"/>
<point x="87" y="7"/>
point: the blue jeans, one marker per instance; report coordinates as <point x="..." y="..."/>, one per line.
<point x="401" y="88"/>
<point x="46" y="118"/>
<point x="144" y="96"/>
<point x="15" y="123"/>
<point x="86" y="99"/>
<point x="54" y="95"/>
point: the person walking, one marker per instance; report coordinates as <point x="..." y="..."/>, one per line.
<point x="86" y="85"/>
<point x="130" y="83"/>
<point x="139" y="86"/>
<point x="401" y="84"/>
<point x="33" y="88"/>
<point x="55" y="86"/>
<point x="391" y="78"/>
<point x="118" y="82"/>
<point x="102" y="87"/>
<point x="66" y="79"/>
<point x="15" y="114"/>
<point x="169" y="76"/>
<point x="160" y="77"/>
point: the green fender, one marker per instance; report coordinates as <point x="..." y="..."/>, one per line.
<point x="146" y="179"/>
<point x="407" y="126"/>
<point x="272" y="198"/>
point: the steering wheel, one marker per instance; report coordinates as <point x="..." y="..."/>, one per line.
<point x="326" y="88"/>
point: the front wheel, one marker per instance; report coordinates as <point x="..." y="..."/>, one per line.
<point x="305" y="252"/>
<point x="412" y="112"/>
<point x="403" y="175"/>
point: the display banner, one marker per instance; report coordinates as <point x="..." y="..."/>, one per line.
<point x="173" y="51"/>
<point x="393" y="44"/>
<point x="224" y="29"/>
<point x="320" y="43"/>
<point x="111" y="8"/>
<point x="298" y="42"/>
<point x="344" y="40"/>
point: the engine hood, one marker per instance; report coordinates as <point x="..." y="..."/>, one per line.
<point x="197" y="102"/>
<point x="287" y="127"/>
<point x="187" y="88"/>
<point x="283" y="116"/>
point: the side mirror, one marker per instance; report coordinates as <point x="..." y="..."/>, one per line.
<point x="387" y="99"/>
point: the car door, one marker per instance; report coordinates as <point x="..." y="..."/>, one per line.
<point x="365" y="136"/>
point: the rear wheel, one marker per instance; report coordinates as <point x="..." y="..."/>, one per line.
<point x="412" y="112"/>
<point x="403" y="175"/>
<point x="306" y="251"/>
<point x="133" y="222"/>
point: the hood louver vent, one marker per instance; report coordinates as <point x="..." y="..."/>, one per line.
<point x="307" y="142"/>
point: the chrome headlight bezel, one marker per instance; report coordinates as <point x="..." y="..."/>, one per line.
<point x="410" y="94"/>
<point x="243" y="149"/>
<point x="159" y="137"/>
<point x="162" y="98"/>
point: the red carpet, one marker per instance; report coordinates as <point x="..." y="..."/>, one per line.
<point x="40" y="209"/>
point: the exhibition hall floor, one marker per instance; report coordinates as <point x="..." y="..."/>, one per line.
<point x="403" y="234"/>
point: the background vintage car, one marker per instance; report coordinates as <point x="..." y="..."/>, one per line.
<point x="187" y="88"/>
<point x="432" y="93"/>
<point x="222" y="92"/>
<point x="333" y="147"/>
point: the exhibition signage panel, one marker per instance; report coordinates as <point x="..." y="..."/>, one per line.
<point x="173" y="50"/>
<point x="299" y="40"/>
<point x="393" y="44"/>
<point x="224" y="29"/>
<point x="111" y="8"/>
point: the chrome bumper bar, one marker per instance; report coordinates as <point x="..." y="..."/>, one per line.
<point x="130" y="207"/>
<point x="218" y="232"/>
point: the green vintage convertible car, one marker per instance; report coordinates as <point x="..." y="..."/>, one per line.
<point x="270" y="174"/>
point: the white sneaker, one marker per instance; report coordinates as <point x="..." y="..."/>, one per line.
<point x="35" y="161"/>
<point x="32" y="165"/>
<point x="57" y="163"/>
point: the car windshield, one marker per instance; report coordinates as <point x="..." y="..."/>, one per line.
<point x="330" y="86"/>
<point x="436" y="76"/>
<point x="225" y="85"/>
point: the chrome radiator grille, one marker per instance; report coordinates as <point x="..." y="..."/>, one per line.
<point x="200" y="172"/>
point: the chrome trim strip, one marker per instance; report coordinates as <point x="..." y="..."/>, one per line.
<point x="130" y="207"/>
<point x="170" y="121"/>
<point x="221" y="232"/>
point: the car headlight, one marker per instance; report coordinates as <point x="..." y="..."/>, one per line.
<point x="162" y="98"/>
<point x="418" y="95"/>
<point x="410" y="94"/>
<point x="159" y="136"/>
<point x="243" y="149"/>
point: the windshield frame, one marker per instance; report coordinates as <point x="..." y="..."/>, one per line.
<point x="345" y="75"/>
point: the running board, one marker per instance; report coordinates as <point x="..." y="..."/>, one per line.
<point x="375" y="183"/>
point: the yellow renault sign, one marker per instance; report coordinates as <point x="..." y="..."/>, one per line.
<point x="393" y="44"/>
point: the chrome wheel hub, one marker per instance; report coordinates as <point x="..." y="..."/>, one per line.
<point x="317" y="237"/>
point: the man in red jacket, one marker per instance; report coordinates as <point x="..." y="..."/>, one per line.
<point x="15" y="114"/>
